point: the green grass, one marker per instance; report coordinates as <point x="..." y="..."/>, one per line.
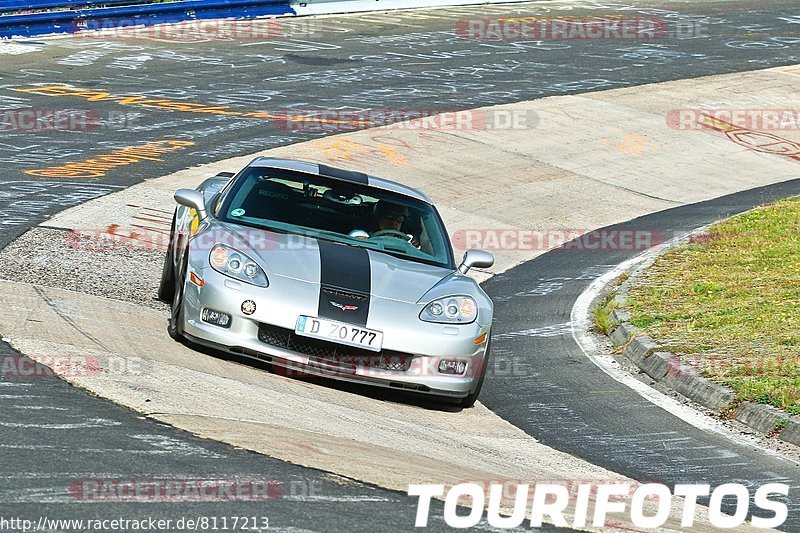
<point x="728" y="303"/>
<point x="603" y="323"/>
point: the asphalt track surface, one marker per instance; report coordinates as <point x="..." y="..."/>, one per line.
<point x="397" y="61"/>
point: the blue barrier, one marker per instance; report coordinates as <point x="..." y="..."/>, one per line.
<point x="127" y="13"/>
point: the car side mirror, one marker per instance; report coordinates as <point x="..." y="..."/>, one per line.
<point x="477" y="259"/>
<point x="193" y="199"/>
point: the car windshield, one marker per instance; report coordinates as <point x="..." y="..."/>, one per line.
<point x="340" y="211"/>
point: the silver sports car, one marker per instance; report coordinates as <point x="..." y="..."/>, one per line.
<point x="328" y="272"/>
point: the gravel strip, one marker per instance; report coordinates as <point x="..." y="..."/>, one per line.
<point x="107" y="267"/>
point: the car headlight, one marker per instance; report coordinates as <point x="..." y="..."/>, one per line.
<point x="235" y="264"/>
<point x="451" y="310"/>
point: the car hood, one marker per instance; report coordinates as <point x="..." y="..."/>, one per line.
<point x="336" y="265"/>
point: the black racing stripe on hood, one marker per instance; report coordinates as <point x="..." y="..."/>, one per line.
<point x="349" y="175"/>
<point x="345" y="283"/>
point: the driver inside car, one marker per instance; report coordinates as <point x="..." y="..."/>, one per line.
<point x="389" y="217"/>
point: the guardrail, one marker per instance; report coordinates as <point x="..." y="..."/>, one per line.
<point x="40" y="17"/>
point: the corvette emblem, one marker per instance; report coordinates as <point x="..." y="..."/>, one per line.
<point x="344" y="307"/>
<point x="248" y="307"/>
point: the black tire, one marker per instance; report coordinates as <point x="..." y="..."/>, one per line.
<point x="470" y="400"/>
<point x="166" y="288"/>
<point x="175" y="327"/>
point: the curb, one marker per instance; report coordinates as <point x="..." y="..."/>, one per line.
<point x="667" y="369"/>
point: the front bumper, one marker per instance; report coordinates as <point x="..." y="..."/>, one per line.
<point x="411" y="352"/>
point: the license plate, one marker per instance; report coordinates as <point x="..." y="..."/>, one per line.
<point x="339" y="332"/>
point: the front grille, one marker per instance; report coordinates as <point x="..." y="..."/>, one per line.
<point x="332" y="352"/>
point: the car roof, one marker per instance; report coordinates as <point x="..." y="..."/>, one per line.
<point x="319" y="169"/>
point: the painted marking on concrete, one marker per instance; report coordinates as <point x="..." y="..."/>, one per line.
<point x="758" y="141"/>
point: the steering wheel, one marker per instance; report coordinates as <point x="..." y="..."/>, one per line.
<point x="391" y="233"/>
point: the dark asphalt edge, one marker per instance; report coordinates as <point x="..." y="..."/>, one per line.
<point x="650" y="357"/>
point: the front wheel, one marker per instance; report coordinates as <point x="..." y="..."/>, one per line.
<point x="175" y="327"/>
<point x="166" y="289"/>
<point x="470" y="399"/>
